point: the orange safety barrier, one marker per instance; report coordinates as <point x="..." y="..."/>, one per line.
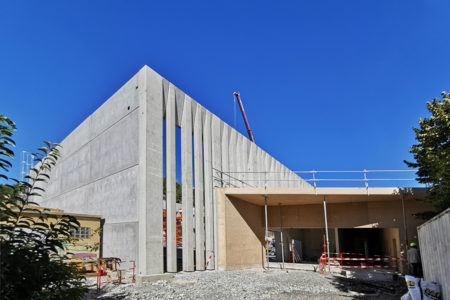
<point x="179" y="218"/>
<point x="339" y="259"/>
<point x="103" y="272"/>
<point x="209" y="258"/>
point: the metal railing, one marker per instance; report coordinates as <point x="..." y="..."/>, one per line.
<point x="364" y="178"/>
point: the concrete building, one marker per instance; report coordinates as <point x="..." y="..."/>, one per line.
<point x="113" y="163"/>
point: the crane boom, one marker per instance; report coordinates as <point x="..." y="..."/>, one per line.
<point x="238" y="97"/>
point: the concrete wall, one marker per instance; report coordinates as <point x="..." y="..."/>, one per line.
<point x="97" y="171"/>
<point x="241" y="233"/>
<point x="434" y="244"/>
<point x="112" y="165"/>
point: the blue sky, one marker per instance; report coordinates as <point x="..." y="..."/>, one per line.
<point x="327" y="85"/>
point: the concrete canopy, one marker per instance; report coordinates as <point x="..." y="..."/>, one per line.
<point x="302" y="196"/>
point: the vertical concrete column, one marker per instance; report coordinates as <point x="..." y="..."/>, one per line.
<point x="238" y="154"/>
<point x="261" y="166"/>
<point x="250" y="164"/>
<point x="225" y="154"/>
<point x="257" y="166"/>
<point x="244" y="160"/>
<point x="186" y="177"/>
<point x="285" y="176"/>
<point x="270" y="183"/>
<point x="232" y="163"/>
<point x="254" y="153"/>
<point x="279" y="182"/>
<point x="266" y="169"/>
<point x="216" y="133"/>
<point x="209" y="204"/>
<point x="198" y="178"/>
<point x="149" y="198"/>
<point x="171" y="197"/>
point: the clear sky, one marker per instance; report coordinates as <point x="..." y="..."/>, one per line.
<point x="327" y="85"/>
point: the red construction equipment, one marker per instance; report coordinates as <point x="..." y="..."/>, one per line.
<point x="179" y="218"/>
<point x="238" y="97"/>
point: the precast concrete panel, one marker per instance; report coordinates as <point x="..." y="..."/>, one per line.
<point x="250" y="165"/>
<point x="244" y="157"/>
<point x="232" y="166"/>
<point x="218" y="182"/>
<point x="225" y="157"/>
<point x="186" y="177"/>
<point x="239" y="160"/>
<point x="171" y="239"/>
<point x="150" y="204"/>
<point x="208" y="172"/>
<point x="198" y="179"/>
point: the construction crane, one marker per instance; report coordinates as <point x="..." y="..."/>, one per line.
<point x="250" y="135"/>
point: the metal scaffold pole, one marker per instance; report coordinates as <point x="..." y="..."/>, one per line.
<point x="267" y="232"/>
<point x="326" y="225"/>
<point x="282" y="242"/>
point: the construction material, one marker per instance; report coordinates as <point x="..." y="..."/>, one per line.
<point x="419" y="289"/>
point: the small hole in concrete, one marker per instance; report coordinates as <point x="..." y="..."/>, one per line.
<point x="136" y="87"/>
<point x="128" y="108"/>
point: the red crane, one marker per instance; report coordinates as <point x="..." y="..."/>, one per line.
<point x="238" y="97"/>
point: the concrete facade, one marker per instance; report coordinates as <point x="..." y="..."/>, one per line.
<point x="112" y="164"/>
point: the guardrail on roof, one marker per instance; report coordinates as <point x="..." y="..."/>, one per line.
<point x="363" y="178"/>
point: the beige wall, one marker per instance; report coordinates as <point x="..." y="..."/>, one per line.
<point x="240" y="232"/>
<point x="91" y="245"/>
<point x="384" y="214"/>
<point x="241" y="224"/>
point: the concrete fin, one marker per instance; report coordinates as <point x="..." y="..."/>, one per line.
<point x="186" y="177"/>
<point x="171" y="242"/>
<point x="199" y="204"/>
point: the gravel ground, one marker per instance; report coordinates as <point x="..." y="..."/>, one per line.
<point x="251" y="284"/>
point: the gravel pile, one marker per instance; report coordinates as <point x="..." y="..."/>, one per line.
<point x="251" y="284"/>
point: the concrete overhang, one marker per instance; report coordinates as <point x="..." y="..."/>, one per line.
<point x="300" y="196"/>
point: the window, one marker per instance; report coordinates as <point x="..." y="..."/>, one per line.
<point x="81" y="232"/>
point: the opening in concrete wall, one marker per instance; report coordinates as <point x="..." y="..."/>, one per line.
<point x="306" y="245"/>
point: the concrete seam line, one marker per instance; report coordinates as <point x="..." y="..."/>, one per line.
<point x="98" y="179"/>
<point x="99" y="134"/>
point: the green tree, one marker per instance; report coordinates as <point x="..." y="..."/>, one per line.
<point x="432" y="154"/>
<point x="177" y="190"/>
<point x="30" y="267"/>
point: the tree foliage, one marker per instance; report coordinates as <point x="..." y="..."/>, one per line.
<point x="30" y="267"/>
<point x="432" y="154"/>
<point x="178" y="190"/>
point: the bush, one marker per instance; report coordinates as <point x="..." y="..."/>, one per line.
<point x="30" y="267"/>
